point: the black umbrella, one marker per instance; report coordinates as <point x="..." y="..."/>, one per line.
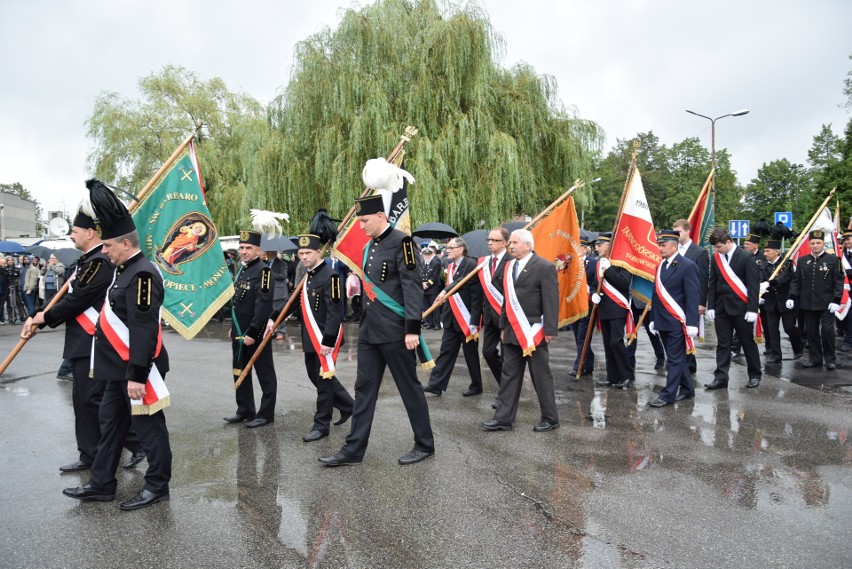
<point x="476" y="241"/>
<point x="40" y="251"/>
<point x="435" y="230"/>
<point x="67" y="256"/>
<point x="513" y="225"/>
<point x="280" y="243"/>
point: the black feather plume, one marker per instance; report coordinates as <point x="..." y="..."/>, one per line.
<point x="762" y="228"/>
<point x="107" y="207"/>
<point x="323" y="226"/>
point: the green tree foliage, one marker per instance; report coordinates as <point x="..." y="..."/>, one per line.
<point x="779" y="186"/>
<point x="672" y="178"/>
<point x="492" y="141"/>
<point x="134" y="137"/>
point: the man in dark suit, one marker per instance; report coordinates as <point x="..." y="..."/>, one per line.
<point x="388" y="336"/>
<point x="846" y="263"/>
<point x="461" y="316"/>
<point x="431" y="287"/>
<point x="775" y="292"/>
<point x="529" y="323"/>
<point x="613" y="308"/>
<point x="79" y="309"/>
<point x="701" y="258"/>
<point x="817" y="289"/>
<point x="252" y="305"/>
<point x="129" y="355"/>
<point x="732" y="301"/>
<point x="491" y="280"/>
<point x="674" y="316"/>
<point x="319" y="305"/>
<point x="280" y="286"/>
<point x="581" y="327"/>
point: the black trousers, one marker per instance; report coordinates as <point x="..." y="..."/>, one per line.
<point x="116" y="420"/>
<point x="330" y="395"/>
<point x="772" y="332"/>
<point x="451" y="341"/>
<point x="434" y="319"/>
<point x="615" y="351"/>
<point x="677" y="373"/>
<point x="86" y="395"/>
<point x="372" y="361"/>
<point x="726" y="325"/>
<point x="820" y="327"/>
<point x="514" y="364"/>
<point x="266" y="378"/>
<point x="491" y="350"/>
<point x="580" y="329"/>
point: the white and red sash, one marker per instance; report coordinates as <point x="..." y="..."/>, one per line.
<point x="89" y="317"/>
<point x="494" y="296"/>
<point x="460" y="310"/>
<point x="846" y="297"/>
<point x="327" y="361"/>
<point x="615" y="295"/>
<point x="739" y="287"/>
<point x="529" y="335"/>
<point x="673" y="308"/>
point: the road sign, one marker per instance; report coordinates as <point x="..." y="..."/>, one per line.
<point x="785" y="217"/>
<point x="738" y="228"/>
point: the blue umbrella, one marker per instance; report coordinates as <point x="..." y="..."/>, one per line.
<point x="12" y="247"/>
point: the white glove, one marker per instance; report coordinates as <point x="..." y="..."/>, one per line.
<point x="605" y="264"/>
<point x="761" y="301"/>
<point x="711" y="314"/>
<point x="652" y="329"/>
<point x="790" y="304"/>
<point x="833" y="308"/>
<point x="764" y="286"/>
<point x="596" y="298"/>
<point x="692" y="331"/>
<point x="751" y="317"/>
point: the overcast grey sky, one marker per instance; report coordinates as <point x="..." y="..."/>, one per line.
<point x="631" y="66"/>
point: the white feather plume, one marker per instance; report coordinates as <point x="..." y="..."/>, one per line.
<point x="86" y="207"/>
<point x="265" y="221"/>
<point x="379" y="174"/>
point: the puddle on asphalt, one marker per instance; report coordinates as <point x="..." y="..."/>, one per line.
<point x="20" y="391"/>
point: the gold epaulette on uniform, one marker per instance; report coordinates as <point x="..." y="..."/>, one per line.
<point x="409" y="253"/>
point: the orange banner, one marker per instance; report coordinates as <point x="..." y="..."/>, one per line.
<point x="557" y="239"/>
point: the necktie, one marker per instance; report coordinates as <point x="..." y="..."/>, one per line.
<point x="493" y="264"/>
<point x="515" y="270"/>
<point x="666" y="268"/>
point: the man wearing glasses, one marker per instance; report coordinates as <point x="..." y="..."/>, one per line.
<point x="491" y="279"/>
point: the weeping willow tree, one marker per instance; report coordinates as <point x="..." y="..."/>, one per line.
<point x="493" y="142"/>
<point x="132" y="139"/>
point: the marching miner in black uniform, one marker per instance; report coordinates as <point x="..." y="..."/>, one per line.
<point x="79" y="309"/>
<point x="252" y="306"/>
<point x="817" y="289"/>
<point x="319" y="304"/>
<point x="389" y="335"/>
<point x="129" y="355"/>
<point x="775" y="294"/>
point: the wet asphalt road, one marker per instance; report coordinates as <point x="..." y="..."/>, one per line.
<point x="737" y="478"/>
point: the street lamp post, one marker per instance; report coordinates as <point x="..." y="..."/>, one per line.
<point x="713" y="144"/>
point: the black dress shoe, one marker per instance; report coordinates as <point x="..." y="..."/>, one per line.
<point x="753" y="382"/>
<point x="433" y="390"/>
<point x="716" y="384"/>
<point x="831" y="367"/>
<point x="89" y="494"/>
<point x="416" y="455"/>
<point x="75" y="466"/>
<point x="472" y="390"/>
<point x="661" y="363"/>
<point x="622" y="384"/>
<point x="258" y="422"/>
<point x="659" y="403"/>
<point x="143" y="499"/>
<point x="338" y="459"/>
<point x="235" y="419"/>
<point x="65" y="376"/>
<point x="135" y="459"/>
<point x="343" y="418"/>
<point x="809" y="365"/>
<point x="682" y="397"/>
<point x="603" y="383"/>
<point x="544" y="426"/>
<point x="773" y="360"/>
<point x="314" y="436"/>
<point x="495" y="425"/>
<point x="797" y="356"/>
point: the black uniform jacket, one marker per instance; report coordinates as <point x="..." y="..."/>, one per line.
<point x="393" y="265"/>
<point x="620" y="278"/>
<point x="470" y="293"/>
<point x="818" y="282"/>
<point x="92" y="276"/>
<point x="323" y="287"/>
<point x="720" y="296"/>
<point x="136" y="297"/>
<point x="252" y="300"/>
<point x="701" y="258"/>
<point x="432" y="276"/>
<point x="775" y="297"/>
<point x="538" y="292"/>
